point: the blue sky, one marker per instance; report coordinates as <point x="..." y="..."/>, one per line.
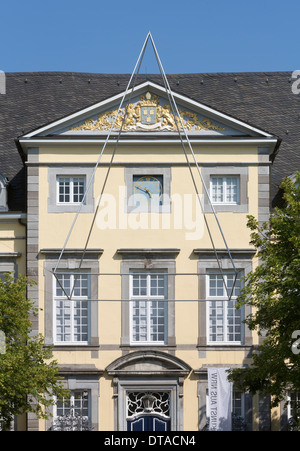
<point x="106" y="36"/>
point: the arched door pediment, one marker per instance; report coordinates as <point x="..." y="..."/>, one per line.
<point x="144" y="363"/>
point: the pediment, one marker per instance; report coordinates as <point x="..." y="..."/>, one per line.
<point x="147" y="363"/>
<point x="147" y="110"/>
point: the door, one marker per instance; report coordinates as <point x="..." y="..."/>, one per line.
<point x="148" y="411"/>
<point x="148" y="423"/>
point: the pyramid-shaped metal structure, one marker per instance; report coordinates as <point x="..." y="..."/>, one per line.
<point x="186" y="146"/>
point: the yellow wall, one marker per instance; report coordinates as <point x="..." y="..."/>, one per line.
<point x="12" y="240"/>
<point x="54" y="227"/>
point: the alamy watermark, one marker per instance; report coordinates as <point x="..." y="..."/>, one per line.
<point x="296" y="344"/>
<point x="186" y="215"/>
<point x="2" y="82"/>
<point x="296" y="82"/>
<point x="2" y="342"/>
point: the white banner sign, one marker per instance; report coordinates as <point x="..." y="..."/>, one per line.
<point x="219" y="392"/>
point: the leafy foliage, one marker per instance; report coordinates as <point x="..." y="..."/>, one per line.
<point x="273" y="292"/>
<point x="28" y="376"/>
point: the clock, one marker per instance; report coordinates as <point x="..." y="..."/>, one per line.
<point x="148" y="188"/>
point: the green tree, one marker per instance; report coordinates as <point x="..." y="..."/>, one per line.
<point x="273" y="292"/>
<point x="28" y="375"/>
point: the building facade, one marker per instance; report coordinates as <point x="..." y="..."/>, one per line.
<point x="139" y="253"/>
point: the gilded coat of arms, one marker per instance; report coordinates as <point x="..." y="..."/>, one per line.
<point x="147" y="114"/>
<point x="148" y="111"/>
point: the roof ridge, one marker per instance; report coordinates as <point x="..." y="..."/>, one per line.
<point x="97" y="74"/>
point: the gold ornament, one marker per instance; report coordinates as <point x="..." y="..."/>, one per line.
<point x="147" y="115"/>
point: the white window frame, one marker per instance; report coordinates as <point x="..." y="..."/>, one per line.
<point x="74" y="298"/>
<point x="148" y="298"/>
<point x="289" y="406"/>
<point x="224" y="184"/>
<point x="71" y="399"/>
<point x="71" y="194"/>
<point x="233" y="391"/>
<point x="224" y="300"/>
<point x="233" y="399"/>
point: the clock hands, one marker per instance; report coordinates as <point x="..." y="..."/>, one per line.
<point x="144" y="189"/>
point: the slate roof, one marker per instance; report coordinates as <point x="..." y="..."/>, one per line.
<point x="33" y="99"/>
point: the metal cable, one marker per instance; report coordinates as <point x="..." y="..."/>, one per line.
<point x="176" y="114"/>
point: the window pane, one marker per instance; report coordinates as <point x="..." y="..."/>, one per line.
<point x="232" y="188"/>
<point x="216" y="320"/>
<point x="237" y="404"/>
<point x="139" y="321"/>
<point x="64" y="189"/>
<point x="233" y="322"/>
<point x="80" y="285"/>
<point x="225" y="320"/>
<point x="72" y="413"/>
<point x="157" y="285"/>
<point x="148" y="317"/>
<point x="157" y="321"/>
<point x="63" y="320"/>
<point x="225" y="189"/>
<point x="217" y="194"/>
<point x="72" y="316"/>
<point x="294" y="405"/>
<point x="81" y="401"/>
<point x="81" y="321"/>
<point x="237" y="285"/>
<point x="63" y="407"/>
<point x="63" y="284"/>
<point x="216" y="286"/>
<point x="71" y="189"/>
<point x="139" y="285"/>
<point x="218" y="289"/>
<point x="78" y="189"/>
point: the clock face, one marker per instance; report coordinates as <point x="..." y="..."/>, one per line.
<point x="148" y="188"/>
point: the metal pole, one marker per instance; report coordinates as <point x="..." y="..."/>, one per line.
<point x="174" y="105"/>
<point x="103" y="148"/>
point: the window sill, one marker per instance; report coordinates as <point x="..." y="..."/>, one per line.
<point x="131" y="347"/>
<point x="74" y="347"/>
<point x="224" y="347"/>
<point x="226" y="208"/>
<point x="149" y="344"/>
<point x="76" y="204"/>
<point x="224" y="343"/>
<point x="70" y="208"/>
<point x="227" y="204"/>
